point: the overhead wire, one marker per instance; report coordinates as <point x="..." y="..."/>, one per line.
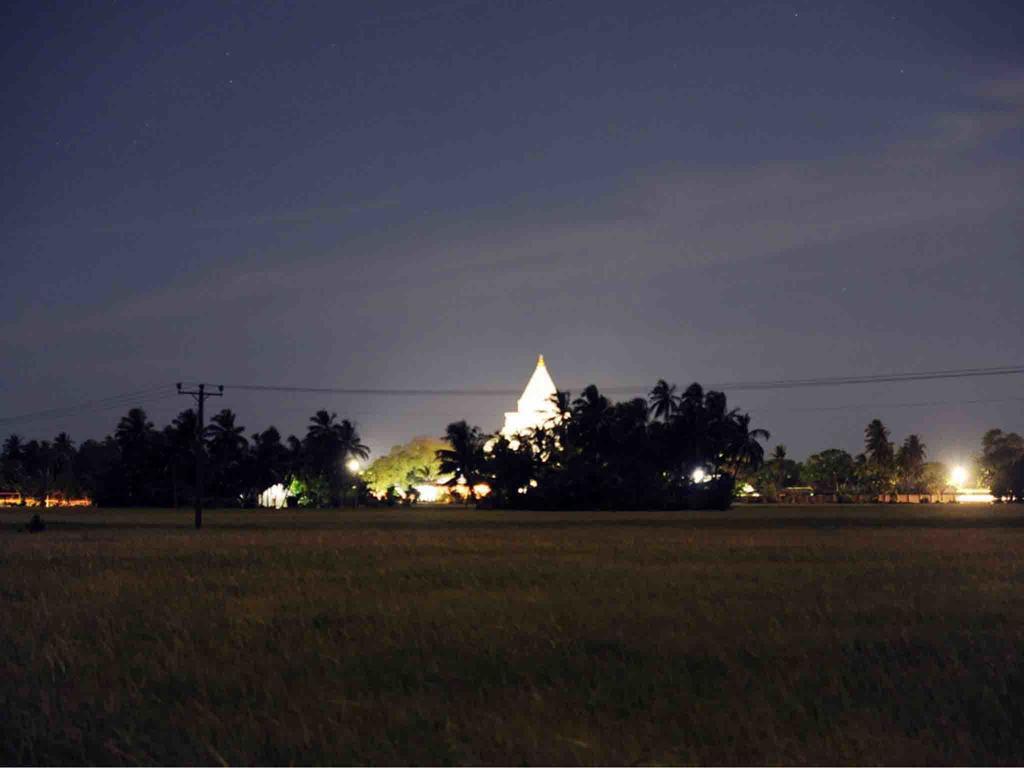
<point x="825" y="381"/>
<point x="138" y="397"/>
<point x="154" y="394"/>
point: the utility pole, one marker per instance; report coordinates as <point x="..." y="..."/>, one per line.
<point x="200" y="394"/>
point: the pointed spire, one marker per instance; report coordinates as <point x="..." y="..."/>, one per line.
<point x="535" y="408"/>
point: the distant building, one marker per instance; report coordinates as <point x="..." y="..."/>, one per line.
<point x="536" y="407"/>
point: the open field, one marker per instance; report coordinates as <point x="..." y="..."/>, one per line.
<point x="764" y="634"/>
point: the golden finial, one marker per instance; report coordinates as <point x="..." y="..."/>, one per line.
<point x="540" y="359"/>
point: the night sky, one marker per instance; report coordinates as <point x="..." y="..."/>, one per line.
<point x="407" y="194"/>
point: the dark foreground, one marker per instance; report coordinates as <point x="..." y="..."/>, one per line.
<point x="765" y="635"/>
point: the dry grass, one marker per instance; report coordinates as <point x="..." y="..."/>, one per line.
<point x="761" y="635"/>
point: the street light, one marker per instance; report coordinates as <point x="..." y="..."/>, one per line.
<point x="958" y="477"/>
<point x="353" y="465"/>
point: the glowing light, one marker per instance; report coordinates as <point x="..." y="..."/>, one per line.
<point x="11" y="499"/>
<point x="428" y="493"/>
<point x="353" y="465"/>
<point x="699" y="475"/>
<point x="275" y="497"/>
<point x="975" y="496"/>
<point x="958" y="477"/>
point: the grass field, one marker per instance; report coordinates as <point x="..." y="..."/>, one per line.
<point x="760" y="635"/>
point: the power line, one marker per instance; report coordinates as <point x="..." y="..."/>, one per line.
<point x="870" y="406"/>
<point x="87" y="403"/>
<point x="826" y="381"/>
<point x="962" y="373"/>
<point x="154" y="394"/>
<point x="92" y="406"/>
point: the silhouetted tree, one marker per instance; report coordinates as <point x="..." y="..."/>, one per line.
<point x="268" y="462"/>
<point x="463" y="459"/>
<point x="180" y="460"/>
<point x="227" y="447"/>
<point x="327" y="447"/>
<point x="663" y="400"/>
<point x="877" y="470"/>
<point x="136" y="438"/>
<point x="831" y="471"/>
<point x="910" y="461"/>
<point x="12" y="467"/>
<point x="1000" y="454"/>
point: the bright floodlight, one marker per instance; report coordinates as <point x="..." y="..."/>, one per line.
<point x="958" y="477"/>
<point x="698" y="475"/>
<point x="353" y="465"/>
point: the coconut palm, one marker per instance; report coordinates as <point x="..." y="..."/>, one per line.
<point x="463" y="460"/>
<point x="12" y="469"/>
<point x="910" y="460"/>
<point x="876" y="443"/>
<point x="64" y="461"/>
<point x="328" y="445"/>
<point x="744" y="448"/>
<point x="136" y="438"/>
<point x="134" y="431"/>
<point x="349" y="442"/>
<point x="779" y="465"/>
<point x="39" y="465"/>
<point x="879" y="471"/>
<point x="179" y="444"/>
<point x="224" y="436"/>
<point x="663" y="400"/>
<point x="228" y="447"/>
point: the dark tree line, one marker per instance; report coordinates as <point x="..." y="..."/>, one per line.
<point x="1002" y="464"/>
<point x="140" y="465"/>
<point x="669" y="452"/>
<point x="883" y="467"/>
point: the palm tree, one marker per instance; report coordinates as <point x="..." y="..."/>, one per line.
<point x="744" y="446"/>
<point x="910" y="460"/>
<point x="779" y="464"/>
<point x="327" y="446"/>
<point x="12" y="447"/>
<point x="349" y="442"/>
<point x="135" y="437"/>
<point x="879" y="470"/>
<point x="692" y="399"/>
<point x="64" y="458"/>
<point x="133" y="431"/>
<point x="591" y="402"/>
<point x="228" y="447"/>
<point x="268" y="462"/>
<point x="12" y="468"/>
<point x="180" y="441"/>
<point x="39" y="465"/>
<point x="296" y="455"/>
<point x="463" y="460"/>
<point x="562" y="401"/>
<point x="63" y="444"/>
<point x="663" y="400"/>
<point x="224" y="436"/>
<point x="876" y="443"/>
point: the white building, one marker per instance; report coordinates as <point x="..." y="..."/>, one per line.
<point x="536" y="408"/>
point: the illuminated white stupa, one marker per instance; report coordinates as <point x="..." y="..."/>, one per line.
<point x="536" y="408"/>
